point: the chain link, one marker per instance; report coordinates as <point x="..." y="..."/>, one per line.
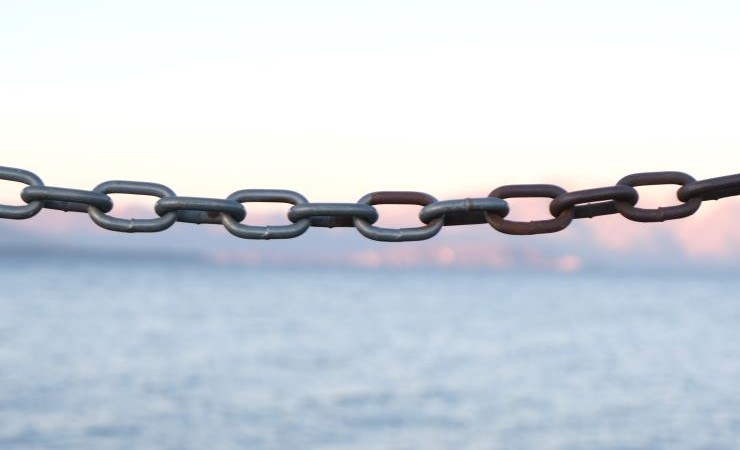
<point x="398" y="234"/>
<point x="559" y="222"/>
<point x="466" y="211"/>
<point x="268" y="231"/>
<point x="65" y="199"/>
<point x="687" y="208"/>
<point x="200" y="209"/>
<point x="133" y="225"/>
<point x="28" y="210"/>
<point x="593" y="202"/>
<point x="621" y="198"/>
<point x="711" y="189"/>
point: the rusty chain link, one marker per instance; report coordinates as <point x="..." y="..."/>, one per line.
<point x="621" y="198"/>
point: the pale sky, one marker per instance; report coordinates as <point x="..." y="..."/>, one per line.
<point x="336" y="99"/>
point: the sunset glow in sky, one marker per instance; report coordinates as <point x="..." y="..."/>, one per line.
<point x="337" y="99"/>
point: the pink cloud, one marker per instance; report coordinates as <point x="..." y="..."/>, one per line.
<point x="617" y="234"/>
<point x="714" y="232"/>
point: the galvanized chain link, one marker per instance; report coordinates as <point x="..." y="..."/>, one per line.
<point x="621" y="198"/>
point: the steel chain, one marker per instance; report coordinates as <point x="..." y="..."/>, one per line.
<point x="557" y="223"/>
<point x="296" y="229"/>
<point x="398" y="234"/>
<point x="621" y="198"/>
<point x="687" y="208"/>
<point x="132" y="225"/>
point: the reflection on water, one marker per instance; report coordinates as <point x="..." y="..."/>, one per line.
<point x="106" y="355"/>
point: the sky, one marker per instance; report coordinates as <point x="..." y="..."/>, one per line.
<point x="337" y="99"/>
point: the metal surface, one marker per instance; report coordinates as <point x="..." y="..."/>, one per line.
<point x="434" y="214"/>
<point x="65" y="199"/>
<point x="330" y="215"/>
<point x="466" y="211"/>
<point x="711" y="189"/>
<point x="132" y="225"/>
<point x="200" y="209"/>
<point x="604" y="197"/>
<point x="267" y="231"/>
<point x="687" y="208"/>
<point x="558" y="223"/>
<point x="398" y="234"/>
<point x="30" y="209"/>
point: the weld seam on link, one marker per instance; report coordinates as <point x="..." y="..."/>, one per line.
<point x="19" y="212"/>
<point x="268" y="231"/>
<point x="132" y="225"/>
<point x="659" y="214"/>
<point x="467" y="211"/>
<point x="398" y="234"/>
<point x="535" y="226"/>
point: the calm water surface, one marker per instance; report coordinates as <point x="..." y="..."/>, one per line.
<point x="121" y="355"/>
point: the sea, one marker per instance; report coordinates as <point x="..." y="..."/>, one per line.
<point x="108" y="353"/>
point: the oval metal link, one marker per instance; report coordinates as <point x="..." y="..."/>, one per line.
<point x="662" y="213"/>
<point x="132" y="225"/>
<point x="20" y="211"/>
<point x="536" y="226"/>
<point x="605" y="197"/>
<point x="268" y="231"/>
<point x="330" y="215"/>
<point x="66" y="199"/>
<point x="711" y="188"/>
<point x="467" y="211"/>
<point x="398" y="234"/>
<point x="200" y="209"/>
